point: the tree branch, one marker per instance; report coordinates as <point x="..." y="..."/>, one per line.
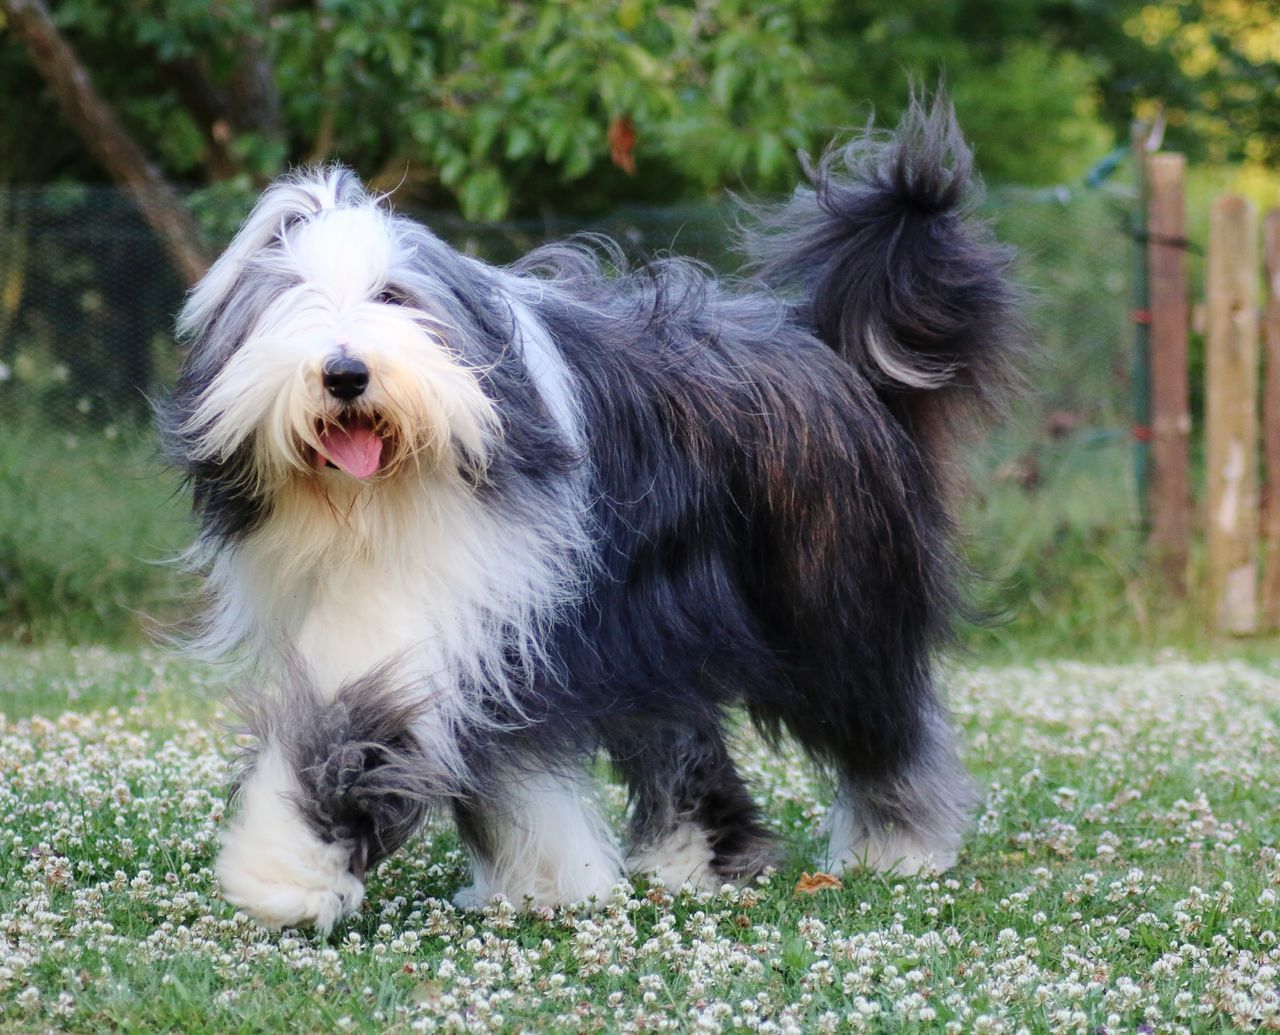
<point x="245" y="100"/>
<point x="96" y="124"/>
<point x="252" y="86"/>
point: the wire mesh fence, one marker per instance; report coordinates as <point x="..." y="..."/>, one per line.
<point x="88" y="296"/>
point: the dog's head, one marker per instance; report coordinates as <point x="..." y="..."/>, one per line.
<point x="333" y="342"/>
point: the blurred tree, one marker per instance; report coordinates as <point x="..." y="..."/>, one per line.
<point x="1038" y="82"/>
<point x="1218" y="78"/>
<point x="480" y="102"/>
<point x="491" y="105"/>
<point x="1028" y="103"/>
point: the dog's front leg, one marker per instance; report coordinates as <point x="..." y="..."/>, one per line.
<point x="274" y="864"/>
<point x="334" y="787"/>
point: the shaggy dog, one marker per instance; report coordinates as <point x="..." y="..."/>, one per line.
<point x="474" y="525"/>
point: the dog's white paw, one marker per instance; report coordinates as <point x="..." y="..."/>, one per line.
<point x="895" y="850"/>
<point x="890" y="851"/>
<point x="682" y="856"/>
<point x="472" y="899"/>
<point x="275" y="867"/>
<point x="299" y="891"/>
<point x="546" y="890"/>
<point x="856" y="845"/>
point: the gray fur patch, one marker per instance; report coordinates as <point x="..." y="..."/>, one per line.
<point x="364" y="777"/>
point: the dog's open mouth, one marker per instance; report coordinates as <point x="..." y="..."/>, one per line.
<point x="351" y="444"/>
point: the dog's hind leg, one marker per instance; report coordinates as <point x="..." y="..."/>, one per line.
<point x="536" y="839"/>
<point x="692" y="816"/>
<point x="907" y="819"/>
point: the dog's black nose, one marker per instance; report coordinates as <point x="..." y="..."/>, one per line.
<point x="345" y="378"/>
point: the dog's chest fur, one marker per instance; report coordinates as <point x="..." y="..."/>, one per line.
<point x="427" y="578"/>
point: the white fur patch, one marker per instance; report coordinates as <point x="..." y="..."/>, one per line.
<point x="547" y="369"/>
<point x="681" y="856"/>
<point x="285" y="201"/>
<point x="550" y="847"/>
<point x="274" y="867"/>
<point x="426" y="576"/>
<point x="897" y="363"/>
<point x="857" y="845"/>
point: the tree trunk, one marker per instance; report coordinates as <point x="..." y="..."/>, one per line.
<point x="244" y="101"/>
<point x="109" y="142"/>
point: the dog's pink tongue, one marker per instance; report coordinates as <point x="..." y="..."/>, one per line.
<point x="356" y="450"/>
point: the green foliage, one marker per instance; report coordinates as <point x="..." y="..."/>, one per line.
<point x="1041" y="77"/>
<point x="1005" y="111"/>
<point x="491" y="106"/>
<point x="1213" y="67"/>
<point x="483" y="104"/>
<point x="500" y="103"/>
<point x="1026" y="102"/>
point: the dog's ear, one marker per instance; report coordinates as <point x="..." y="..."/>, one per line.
<point x="292" y="199"/>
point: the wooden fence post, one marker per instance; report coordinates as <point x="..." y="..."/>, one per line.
<point x="1231" y="415"/>
<point x="1170" y="392"/>
<point x="1139" y="133"/>
<point x="1271" y="423"/>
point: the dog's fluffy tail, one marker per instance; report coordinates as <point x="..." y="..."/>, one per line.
<point x="894" y="272"/>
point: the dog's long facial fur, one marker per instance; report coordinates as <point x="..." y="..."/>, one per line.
<point x="570" y="506"/>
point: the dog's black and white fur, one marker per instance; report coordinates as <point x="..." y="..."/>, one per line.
<point x="475" y="525"/>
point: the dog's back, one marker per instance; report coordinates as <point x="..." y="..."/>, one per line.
<point x="767" y="476"/>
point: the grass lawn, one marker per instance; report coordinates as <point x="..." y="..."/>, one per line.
<point x="1123" y="875"/>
